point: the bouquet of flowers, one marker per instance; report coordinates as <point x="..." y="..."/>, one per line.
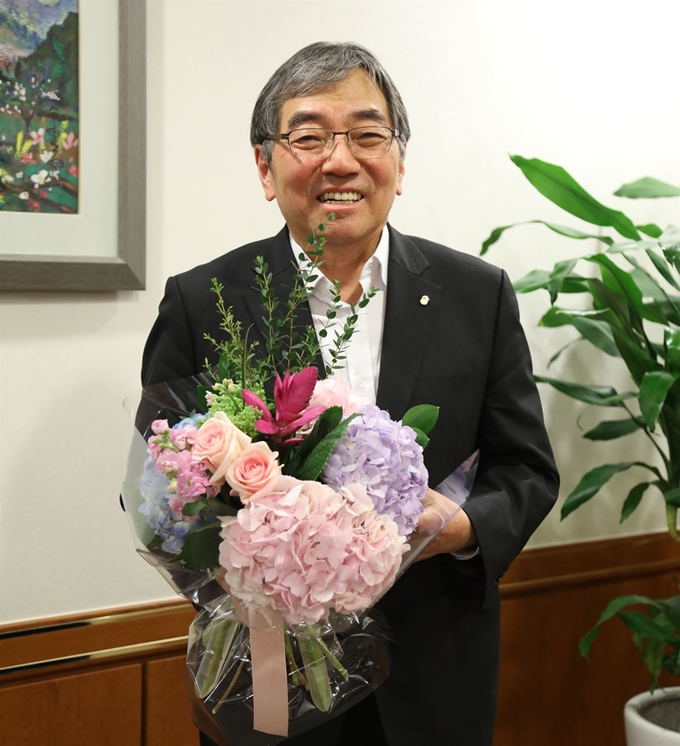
<point x="284" y="512"/>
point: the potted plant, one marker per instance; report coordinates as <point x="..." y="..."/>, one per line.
<point x="633" y="315"/>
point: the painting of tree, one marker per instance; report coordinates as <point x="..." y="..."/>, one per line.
<point x="39" y="106"/>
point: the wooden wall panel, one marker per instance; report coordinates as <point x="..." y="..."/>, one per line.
<point x="549" y="694"/>
<point x="126" y="680"/>
<point x="99" y="708"/>
<point x="168" y="720"/>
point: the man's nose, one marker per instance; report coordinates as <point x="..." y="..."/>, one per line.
<point x="340" y="159"/>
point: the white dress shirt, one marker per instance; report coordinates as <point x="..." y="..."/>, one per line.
<point x="361" y="366"/>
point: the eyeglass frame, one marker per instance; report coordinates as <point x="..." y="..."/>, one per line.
<point x="286" y="136"/>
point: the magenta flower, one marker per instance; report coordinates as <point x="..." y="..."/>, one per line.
<point x="291" y="396"/>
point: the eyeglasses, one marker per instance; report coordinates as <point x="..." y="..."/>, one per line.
<point x="363" y="142"/>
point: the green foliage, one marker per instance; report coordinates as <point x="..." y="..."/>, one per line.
<point x="635" y="305"/>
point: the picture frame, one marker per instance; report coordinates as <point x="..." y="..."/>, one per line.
<point x="126" y="269"/>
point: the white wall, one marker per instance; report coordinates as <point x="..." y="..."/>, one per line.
<point x="591" y="85"/>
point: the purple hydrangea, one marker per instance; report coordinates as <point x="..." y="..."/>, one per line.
<point x="383" y="456"/>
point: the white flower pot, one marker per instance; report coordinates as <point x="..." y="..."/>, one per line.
<point x="653" y="719"/>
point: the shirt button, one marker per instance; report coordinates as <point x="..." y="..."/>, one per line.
<point x="360" y="383"/>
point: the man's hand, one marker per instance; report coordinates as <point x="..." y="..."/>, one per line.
<point x="456" y="535"/>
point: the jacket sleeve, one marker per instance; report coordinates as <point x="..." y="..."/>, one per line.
<point x="517" y="481"/>
<point x="169" y="350"/>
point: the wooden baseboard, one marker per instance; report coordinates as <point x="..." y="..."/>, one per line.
<point x="547" y="694"/>
<point x="43" y="646"/>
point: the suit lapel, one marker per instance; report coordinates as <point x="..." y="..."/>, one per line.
<point x="411" y="309"/>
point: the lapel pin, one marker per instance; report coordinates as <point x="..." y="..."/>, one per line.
<point x="424" y="300"/>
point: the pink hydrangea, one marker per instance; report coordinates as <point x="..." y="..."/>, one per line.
<point x="335" y="392"/>
<point x="306" y="548"/>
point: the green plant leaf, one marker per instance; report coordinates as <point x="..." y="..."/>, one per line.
<point x="563" y="230"/>
<point x="559" y="187"/>
<point x="535" y="280"/>
<point x="671" y="342"/>
<point x="610" y="429"/>
<point x="631" y="502"/>
<point x="604" y="396"/>
<point x="588" y="323"/>
<point x="641" y="624"/>
<point x="200" y="551"/>
<point x="421" y="438"/>
<point x="560" y="272"/>
<point x="619" y="281"/>
<point x="193" y="508"/>
<point x="663" y="268"/>
<point x="650" y="229"/>
<point x="592" y="481"/>
<point x="613" y="608"/>
<point x="654" y="388"/>
<point x="422" y="416"/>
<point x="313" y="465"/>
<point x="647" y="188"/>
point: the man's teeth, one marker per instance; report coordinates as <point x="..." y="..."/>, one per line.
<point x="340" y="197"/>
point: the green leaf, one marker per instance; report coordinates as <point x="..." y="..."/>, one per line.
<point x="591" y="483"/>
<point x="422" y="416"/>
<point x="619" y="281"/>
<point x="535" y="280"/>
<point x="610" y="429"/>
<point x="663" y="268"/>
<point x="672" y="497"/>
<point x="671" y="341"/>
<point x="563" y="230"/>
<point x="314" y="463"/>
<point x="647" y="188"/>
<point x="641" y="624"/>
<point x="325" y="424"/>
<point x="596" y="331"/>
<point x="200" y="551"/>
<point x="631" y="502"/>
<point x="421" y="438"/>
<point x="612" y="609"/>
<point x="193" y="508"/>
<point x="653" y="391"/>
<point x="604" y="396"/>
<point x="559" y="187"/>
<point x="650" y="229"/>
<point x="560" y="272"/>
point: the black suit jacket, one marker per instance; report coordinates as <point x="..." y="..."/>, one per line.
<point x="465" y="351"/>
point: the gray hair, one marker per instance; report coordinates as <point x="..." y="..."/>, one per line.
<point x="312" y="69"/>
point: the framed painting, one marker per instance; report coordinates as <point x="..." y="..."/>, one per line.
<point x="72" y="145"/>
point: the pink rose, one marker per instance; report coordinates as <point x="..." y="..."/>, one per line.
<point x="218" y="442"/>
<point x="253" y="472"/>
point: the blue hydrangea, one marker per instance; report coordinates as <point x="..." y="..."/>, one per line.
<point x="383" y="456"/>
<point x="153" y="487"/>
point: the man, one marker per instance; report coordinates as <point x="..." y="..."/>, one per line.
<point x="329" y="132"/>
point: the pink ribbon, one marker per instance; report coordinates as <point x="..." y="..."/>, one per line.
<point x="268" y="661"/>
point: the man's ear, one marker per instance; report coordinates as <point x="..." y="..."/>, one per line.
<point x="400" y="176"/>
<point x="265" y="174"/>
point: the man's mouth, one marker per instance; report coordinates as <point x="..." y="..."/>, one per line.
<point x="340" y="197"/>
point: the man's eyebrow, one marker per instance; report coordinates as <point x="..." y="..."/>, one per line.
<point x="314" y="117"/>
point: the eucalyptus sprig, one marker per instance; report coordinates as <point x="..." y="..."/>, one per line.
<point x="288" y="345"/>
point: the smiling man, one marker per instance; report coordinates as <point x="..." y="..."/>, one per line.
<point x="329" y="131"/>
